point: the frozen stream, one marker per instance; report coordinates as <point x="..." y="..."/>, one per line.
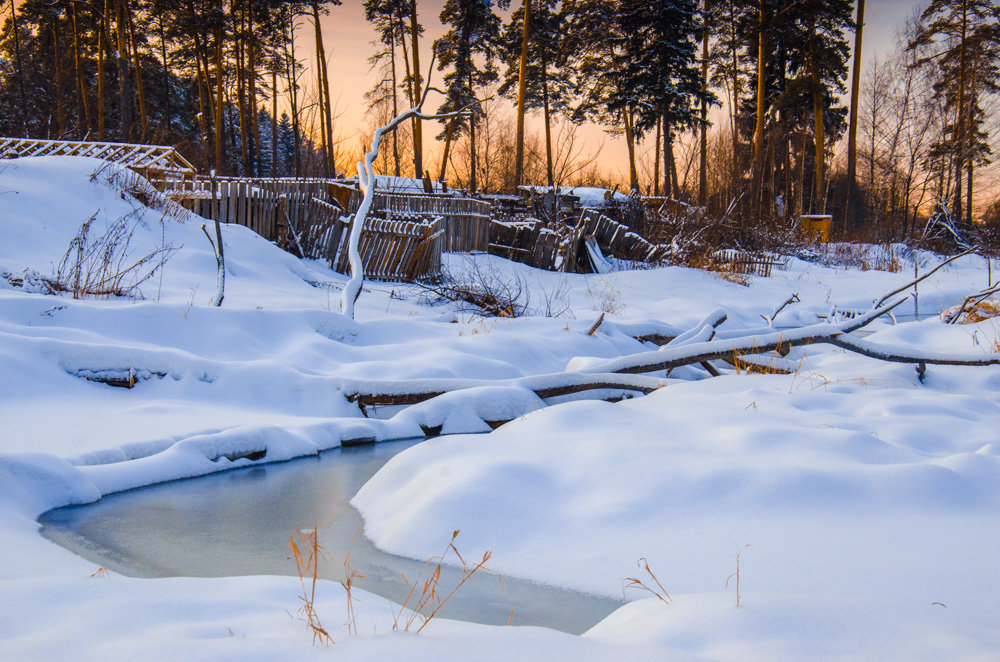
<point x="238" y="523"/>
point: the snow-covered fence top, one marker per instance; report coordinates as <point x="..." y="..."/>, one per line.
<point x="148" y="159"/>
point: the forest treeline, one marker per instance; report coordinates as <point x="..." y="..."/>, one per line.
<point x="225" y="81"/>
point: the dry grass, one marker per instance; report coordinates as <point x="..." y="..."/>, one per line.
<point x="104" y="265"/>
<point x="606" y="295"/>
<point x="754" y="364"/>
<point x="425" y="599"/>
<point x="736" y="575"/>
<point x="350" y="574"/>
<point x="306" y="551"/>
<point x="980" y="312"/>
<point x="637" y="583"/>
<point x="866" y="257"/>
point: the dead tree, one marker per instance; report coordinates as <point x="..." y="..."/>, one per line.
<point x="366" y="181"/>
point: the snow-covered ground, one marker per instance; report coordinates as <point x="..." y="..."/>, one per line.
<point x="864" y="503"/>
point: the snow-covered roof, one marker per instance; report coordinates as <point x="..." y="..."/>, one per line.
<point x="590" y="196"/>
<point x="404" y="184"/>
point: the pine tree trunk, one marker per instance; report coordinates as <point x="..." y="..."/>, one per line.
<point x="274" y="120"/>
<point x="204" y="94"/>
<point x="758" y="133"/>
<point x="138" y="73"/>
<point x="167" y="110"/>
<point x="852" y="132"/>
<point x="549" y="168"/>
<point x="656" y="159"/>
<point x="293" y="97"/>
<point x="83" y="110"/>
<point x="238" y="53"/>
<point x="124" y="79"/>
<point x="968" y="191"/>
<point x="961" y="142"/>
<point x="101" y="45"/>
<point x="254" y="146"/>
<point x="675" y="184"/>
<point x="320" y="96"/>
<point x="418" y="135"/>
<point x="819" y="179"/>
<point x="20" y="69"/>
<point x="801" y="177"/>
<point x="328" y="109"/>
<point x="472" y="147"/>
<point x="57" y="78"/>
<point x="447" y="148"/>
<point x="521" y="84"/>
<point x="665" y="155"/>
<point x="395" y="108"/>
<point x="703" y="165"/>
<point x="633" y="175"/>
<point x="220" y="126"/>
<point x="736" y="91"/>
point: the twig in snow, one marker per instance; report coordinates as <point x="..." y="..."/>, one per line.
<point x="593" y="329"/>
<point x="769" y="319"/>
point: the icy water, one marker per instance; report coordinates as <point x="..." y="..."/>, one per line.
<point x="238" y="523"/>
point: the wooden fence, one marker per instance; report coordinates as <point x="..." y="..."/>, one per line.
<point x="399" y="250"/>
<point x="741" y="262"/>
<point x="535" y="243"/>
<point x="616" y="239"/>
<point x="306" y="217"/>
<point x="466" y="220"/>
<point x="559" y="247"/>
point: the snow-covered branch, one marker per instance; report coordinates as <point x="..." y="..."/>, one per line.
<point x="366" y="182"/>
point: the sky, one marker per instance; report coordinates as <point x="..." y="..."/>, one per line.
<point x="347" y="40"/>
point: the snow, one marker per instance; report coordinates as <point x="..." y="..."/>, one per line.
<point x="869" y="499"/>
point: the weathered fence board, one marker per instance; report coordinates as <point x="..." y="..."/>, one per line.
<point x="559" y="247"/>
<point x="466" y="220"/>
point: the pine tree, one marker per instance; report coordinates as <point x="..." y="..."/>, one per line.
<point x="548" y="83"/>
<point x="597" y="46"/>
<point x="963" y="42"/>
<point x="803" y="52"/>
<point x="663" y="69"/>
<point x="468" y="53"/>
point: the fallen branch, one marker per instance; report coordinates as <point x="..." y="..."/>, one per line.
<point x="668" y="358"/>
<point x="906" y="355"/>
<point x="374" y="393"/>
<point x="915" y="281"/>
<point x="621" y="373"/>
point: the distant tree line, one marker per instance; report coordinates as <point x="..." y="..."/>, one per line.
<point x="221" y="79"/>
